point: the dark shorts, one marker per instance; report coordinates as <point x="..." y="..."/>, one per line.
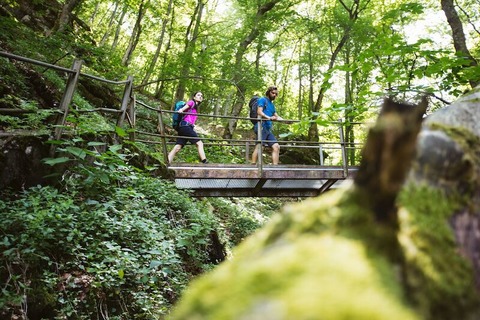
<point x="186" y="130"/>
<point x="267" y="137"/>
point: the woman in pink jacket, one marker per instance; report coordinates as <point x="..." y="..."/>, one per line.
<point x="186" y="128"/>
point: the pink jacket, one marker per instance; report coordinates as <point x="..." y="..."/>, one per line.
<point x="190" y="118"/>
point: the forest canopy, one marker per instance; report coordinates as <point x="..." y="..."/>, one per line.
<point x="330" y="59"/>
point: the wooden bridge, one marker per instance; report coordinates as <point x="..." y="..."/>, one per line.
<point x="215" y="179"/>
<point x="220" y="180"/>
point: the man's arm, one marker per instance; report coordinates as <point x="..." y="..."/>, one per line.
<point x="262" y="114"/>
<point x="262" y="104"/>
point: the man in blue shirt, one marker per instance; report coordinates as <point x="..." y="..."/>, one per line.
<point x="266" y="109"/>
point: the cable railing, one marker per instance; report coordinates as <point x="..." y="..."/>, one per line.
<point x="339" y="152"/>
<point x="164" y="139"/>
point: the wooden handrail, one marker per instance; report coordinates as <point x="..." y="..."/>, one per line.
<point x="128" y="111"/>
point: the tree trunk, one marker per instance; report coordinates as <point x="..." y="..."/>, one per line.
<point x="189" y="49"/>
<point x="353" y="16"/>
<point x="94" y="13"/>
<point x="458" y="36"/>
<point x="238" y="69"/>
<point x="135" y="37"/>
<point x="154" y="60"/>
<point x="65" y="17"/>
<point x="349" y="112"/>
<point x="300" y="86"/>
<point x="310" y="77"/>
<point x="161" y="84"/>
<point x="119" y="27"/>
<point x="110" y="25"/>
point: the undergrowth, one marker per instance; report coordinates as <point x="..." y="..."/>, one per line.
<point x="111" y="241"/>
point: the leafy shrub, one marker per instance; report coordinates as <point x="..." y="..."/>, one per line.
<point x="112" y="240"/>
<point x="240" y="217"/>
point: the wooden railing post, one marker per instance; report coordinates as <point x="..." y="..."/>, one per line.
<point x="132" y="116"/>
<point x="127" y="94"/>
<point x="320" y="151"/>
<point x="260" y="146"/>
<point x="344" y="151"/>
<point x="162" y="134"/>
<point x="67" y="98"/>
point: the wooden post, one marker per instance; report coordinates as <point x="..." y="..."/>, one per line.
<point x="67" y="98"/>
<point x="320" y="150"/>
<point x="344" y="151"/>
<point x="162" y="134"/>
<point x="132" y="116"/>
<point x="260" y="148"/>
<point x="127" y="93"/>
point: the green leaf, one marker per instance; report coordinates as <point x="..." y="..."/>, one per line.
<point x="120" y="132"/>
<point x="57" y="142"/>
<point x="54" y="161"/>
<point x="104" y="178"/>
<point x="78" y="152"/>
<point x="115" y="148"/>
<point x="155" y="263"/>
<point x="96" y="143"/>
<point x="6" y="241"/>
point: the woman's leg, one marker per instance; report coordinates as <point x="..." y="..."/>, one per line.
<point x="174" y="151"/>
<point x="201" y="152"/>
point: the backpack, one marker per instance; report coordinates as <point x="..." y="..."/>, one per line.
<point x="177" y="117"/>
<point x="253" y="105"/>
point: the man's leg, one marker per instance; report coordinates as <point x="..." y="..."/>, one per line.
<point x="255" y="153"/>
<point x="275" y="153"/>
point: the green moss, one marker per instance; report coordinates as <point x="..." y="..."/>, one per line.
<point x="441" y="280"/>
<point x="469" y="141"/>
<point x="317" y="275"/>
<point x="311" y="261"/>
<point x="328" y="258"/>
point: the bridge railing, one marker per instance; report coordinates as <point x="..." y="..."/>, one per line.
<point x="127" y="111"/>
<point x="166" y="137"/>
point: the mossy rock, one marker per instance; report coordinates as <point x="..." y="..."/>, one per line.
<point x="311" y="262"/>
<point x="327" y="258"/>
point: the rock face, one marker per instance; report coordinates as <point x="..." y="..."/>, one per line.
<point x="380" y="248"/>
<point x="20" y="162"/>
<point x="449" y="159"/>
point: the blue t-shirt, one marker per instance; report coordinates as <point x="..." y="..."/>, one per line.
<point x="269" y="109"/>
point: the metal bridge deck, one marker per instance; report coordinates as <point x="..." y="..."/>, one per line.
<point x="243" y="180"/>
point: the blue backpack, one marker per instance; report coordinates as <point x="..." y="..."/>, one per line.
<point x="253" y="105"/>
<point x="177" y="116"/>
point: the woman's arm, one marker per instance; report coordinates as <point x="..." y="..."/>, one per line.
<point x="188" y="105"/>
